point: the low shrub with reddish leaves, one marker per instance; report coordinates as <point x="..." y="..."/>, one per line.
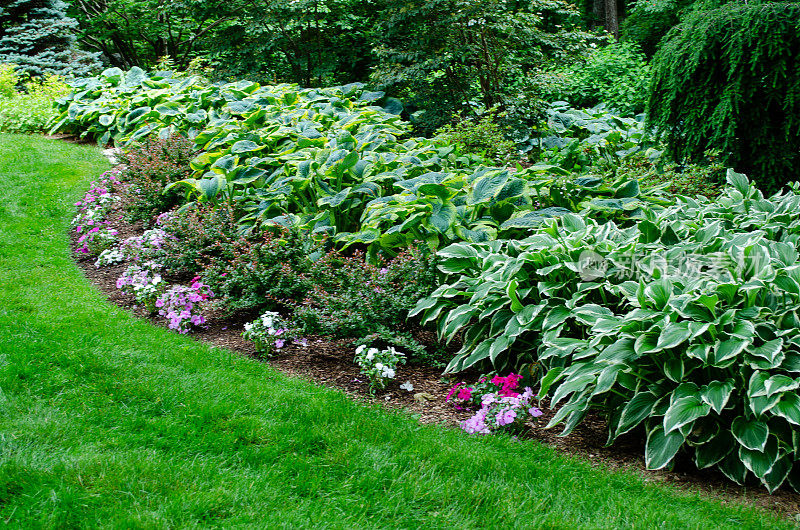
<point x="148" y="168"/>
<point x="352" y="298"/>
<point x="196" y="237"/>
<point x="265" y="273"/>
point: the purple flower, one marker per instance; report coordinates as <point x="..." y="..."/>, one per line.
<point x="535" y="412"/>
<point x="279" y="343"/>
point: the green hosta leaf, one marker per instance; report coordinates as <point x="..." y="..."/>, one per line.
<point x="732" y="467"/>
<point x="777" y="475"/>
<point x="489" y="186"/>
<point x="673" y="369"/>
<point x="620" y="351"/>
<point x="443" y="217"/>
<point x="629" y="189"/>
<point x="247" y="175"/>
<point x="674" y="334"/>
<point x="649" y="232"/>
<point x="245" y="146"/>
<point x="646" y="343"/>
<point x="637" y="409"/>
<point x="751" y="434"/>
<point x="661" y="448"/>
<point x="767" y="356"/>
<point x="528" y="313"/>
<point x="570" y="386"/>
<point x="757" y="385"/>
<point x="659" y="292"/>
<point x="780" y="383"/>
<point x="553" y="375"/>
<point x="699" y="351"/>
<point x="738" y="181"/>
<point x="556" y="316"/>
<point x="683" y="411"/>
<point x="788" y="407"/>
<point x="137" y="115"/>
<point x="726" y="352"/>
<point x="713" y="451"/>
<point x="717" y="394"/>
<point x="760" y="462"/>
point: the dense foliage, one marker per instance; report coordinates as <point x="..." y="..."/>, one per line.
<point x="28" y="108"/>
<point x="616" y="75"/>
<point x="727" y="79"/>
<point x="447" y="57"/>
<point x="685" y="323"/>
<point x="333" y="162"/>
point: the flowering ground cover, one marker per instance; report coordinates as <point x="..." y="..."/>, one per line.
<point x="104" y="417"/>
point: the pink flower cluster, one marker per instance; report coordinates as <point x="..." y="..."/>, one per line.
<point x="464" y="396"/>
<point x="498" y="412"/>
<point x="91" y="222"/>
<point x="181" y="305"/>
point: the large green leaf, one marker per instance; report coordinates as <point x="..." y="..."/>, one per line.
<point x="788" y="407"/>
<point x="751" y="434"/>
<point x="635" y="411"/>
<point x="683" y="411"/>
<point x="760" y="462"/>
<point x="661" y="448"/>
<point x="713" y="451"/>
<point x="673" y="334"/>
<point x="717" y="394"/>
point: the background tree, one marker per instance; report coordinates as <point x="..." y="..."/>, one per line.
<point x="37" y="36"/>
<point x="139" y="32"/>
<point x="449" y="57"/>
<point x="727" y="78"/>
<point x="309" y="42"/>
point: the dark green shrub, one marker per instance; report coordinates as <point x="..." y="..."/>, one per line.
<point x="483" y="136"/>
<point x="616" y="75"/>
<point x="727" y="79"/>
<point x="692" y="180"/>
<point x="197" y="235"/>
<point x="352" y="298"/>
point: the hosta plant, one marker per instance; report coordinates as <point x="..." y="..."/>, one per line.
<point x="685" y="326"/>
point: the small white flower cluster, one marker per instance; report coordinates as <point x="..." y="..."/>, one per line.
<point x="269" y="332"/>
<point x="378" y="365"/>
<point x="109" y="256"/>
<point x="144" y="282"/>
<point x="145" y="246"/>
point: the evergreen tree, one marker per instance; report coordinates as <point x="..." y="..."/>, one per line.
<point x="727" y="78"/>
<point x="37" y="36"/>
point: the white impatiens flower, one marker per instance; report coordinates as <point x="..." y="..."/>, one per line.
<point x="360" y="349"/>
<point x="378" y="366"/>
<point x="248" y="326"/>
<point x="407" y="386"/>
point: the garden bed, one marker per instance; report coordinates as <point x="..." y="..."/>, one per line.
<point x="330" y="363"/>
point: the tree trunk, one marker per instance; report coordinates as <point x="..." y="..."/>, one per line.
<point x="611" y="21"/>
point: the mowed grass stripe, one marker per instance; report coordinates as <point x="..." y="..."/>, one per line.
<point x="109" y="422"/>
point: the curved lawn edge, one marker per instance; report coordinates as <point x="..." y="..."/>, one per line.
<point x="106" y="420"/>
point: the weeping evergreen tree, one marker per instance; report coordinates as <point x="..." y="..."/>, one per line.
<point x="37" y="36"/>
<point x="728" y="78"/>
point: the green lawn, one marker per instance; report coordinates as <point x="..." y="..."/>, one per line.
<point x="106" y="421"/>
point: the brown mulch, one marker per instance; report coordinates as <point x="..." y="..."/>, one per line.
<point x="330" y="363"/>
